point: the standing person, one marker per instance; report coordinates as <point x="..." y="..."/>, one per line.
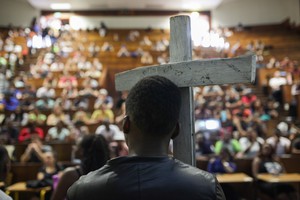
<point x="94" y="153"/>
<point x="152" y="120"/>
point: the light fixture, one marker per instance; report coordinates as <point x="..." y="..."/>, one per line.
<point x="60" y="6"/>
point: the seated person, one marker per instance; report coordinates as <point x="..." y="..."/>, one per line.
<point x="58" y="133"/>
<point x="69" y="90"/>
<point x="45" y="90"/>
<point x="102" y="114"/>
<point x="267" y="162"/>
<point x="27" y="103"/>
<point x="212" y="91"/>
<point x="103" y="97"/>
<point x="280" y="144"/>
<point x="81" y="102"/>
<point x="57" y="115"/>
<point x="93" y="151"/>
<point x="250" y="144"/>
<point x="295" y="144"/>
<point x="66" y="80"/>
<point x="137" y="53"/>
<point x="9" y="132"/>
<point x="223" y="163"/>
<point x="44" y="103"/>
<point x="204" y="146"/>
<point x="146" y="58"/>
<point x="4" y="170"/>
<point x="107" y="47"/>
<point x="248" y="98"/>
<point x="97" y="64"/>
<point x="275" y="83"/>
<point x="29" y="131"/>
<point x="81" y="116"/>
<point x="123" y="52"/>
<point x="146" y="41"/>
<point x="227" y="141"/>
<point x="107" y="130"/>
<point x="34" y="151"/>
<point x="9" y="102"/>
<point x="232" y="99"/>
<point x="45" y="174"/>
<point x="64" y="103"/>
<point x="50" y="79"/>
<point x="37" y="116"/>
<point x="49" y="168"/>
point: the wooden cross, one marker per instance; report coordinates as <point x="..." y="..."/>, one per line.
<point x="186" y="74"/>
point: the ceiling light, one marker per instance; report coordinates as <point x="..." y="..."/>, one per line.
<point x="60" y="6"/>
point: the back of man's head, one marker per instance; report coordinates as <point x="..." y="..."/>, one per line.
<point x="153" y="104"/>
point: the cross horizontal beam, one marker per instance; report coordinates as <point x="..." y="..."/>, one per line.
<point x="194" y="73"/>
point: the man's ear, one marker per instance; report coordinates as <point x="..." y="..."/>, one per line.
<point x="176" y="131"/>
<point x="126" y="125"/>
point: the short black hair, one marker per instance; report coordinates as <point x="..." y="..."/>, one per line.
<point x="153" y="104"/>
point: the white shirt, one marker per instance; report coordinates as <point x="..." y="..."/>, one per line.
<point x="60" y="136"/>
<point x="276" y="82"/>
<point x="110" y="134"/>
<point x="245" y="143"/>
<point x="43" y="91"/>
<point x="282" y="144"/>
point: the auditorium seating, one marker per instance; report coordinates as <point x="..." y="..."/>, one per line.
<point x="283" y="43"/>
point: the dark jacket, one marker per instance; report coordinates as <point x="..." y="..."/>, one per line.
<point x="146" y="178"/>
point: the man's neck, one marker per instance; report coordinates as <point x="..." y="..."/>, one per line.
<point x="148" y="149"/>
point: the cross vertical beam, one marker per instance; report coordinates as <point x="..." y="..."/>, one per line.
<point x="181" y="50"/>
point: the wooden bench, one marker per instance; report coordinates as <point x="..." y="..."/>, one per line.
<point x="291" y="163"/>
<point x="24" y="171"/>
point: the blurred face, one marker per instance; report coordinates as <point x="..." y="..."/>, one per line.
<point x="251" y="133"/>
<point x="227" y="136"/>
<point x="49" y="158"/>
<point x="224" y="154"/>
<point x="266" y="150"/>
<point x="57" y="111"/>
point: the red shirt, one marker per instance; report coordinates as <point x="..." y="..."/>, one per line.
<point x="25" y="134"/>
<point x="247" y="100"/>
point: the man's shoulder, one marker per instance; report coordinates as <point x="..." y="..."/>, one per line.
<point x="167" y="173"/>
<point x="194" y="172"/>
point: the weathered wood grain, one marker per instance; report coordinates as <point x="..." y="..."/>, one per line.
<point x="195" y="73"/>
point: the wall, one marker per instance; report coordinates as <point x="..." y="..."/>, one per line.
<point x="228" y="14"/>
<point x="248" y="12"/>
<point x="293" y="9"/>
<point x="254" y="12"/>
<point x="17" y="13"/>
<point x="85" y="22"/>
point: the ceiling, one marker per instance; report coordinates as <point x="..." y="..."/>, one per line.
<point x="191" y="5"/>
